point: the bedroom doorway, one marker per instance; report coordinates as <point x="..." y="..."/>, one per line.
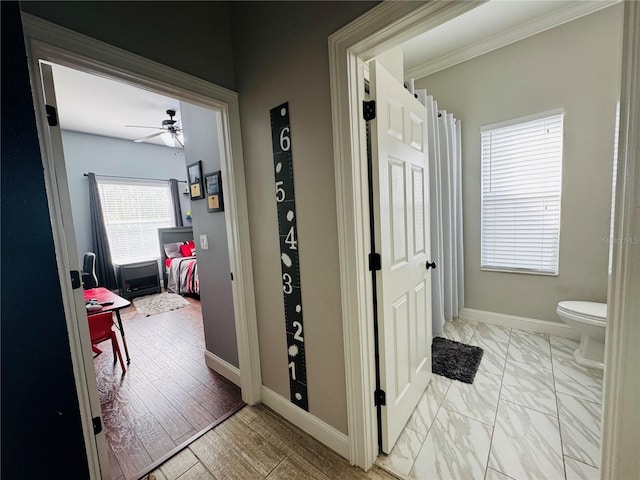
<point x="168" y="394"/>
<point x="222" y="104"/>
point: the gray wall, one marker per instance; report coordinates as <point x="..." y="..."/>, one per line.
<point x="216" y="296"/>
<point x="281" y="54"/>
<point x="575" y="66"/>
<point x="193" y="37"/>
<point x="112" y="156"/>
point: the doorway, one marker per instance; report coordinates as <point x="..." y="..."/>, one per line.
<point x="167" y="395"/>
<point x="47" y="43"/>
<point x="350" y="48"/>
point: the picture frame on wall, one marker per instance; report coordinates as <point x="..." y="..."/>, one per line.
<point x="213" y="187"/>
<point x="194" y="173"/>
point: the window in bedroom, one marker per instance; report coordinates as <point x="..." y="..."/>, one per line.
<point x="521" y="191"/>
<point x="133" y="210"/>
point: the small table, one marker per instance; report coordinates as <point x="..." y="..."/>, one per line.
<point x="103" y="295"/>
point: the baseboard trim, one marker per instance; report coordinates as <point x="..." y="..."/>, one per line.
<point x="521" y="323"/>
<point x="222" y="367"/>
<point x="321" y="431"/>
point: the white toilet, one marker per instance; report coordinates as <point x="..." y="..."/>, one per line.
<point x="590" y="319"/>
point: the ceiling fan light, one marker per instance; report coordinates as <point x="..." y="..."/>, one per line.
<point x="168" y="140"/>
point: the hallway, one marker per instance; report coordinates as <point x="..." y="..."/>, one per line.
<point x="256" y="443"/>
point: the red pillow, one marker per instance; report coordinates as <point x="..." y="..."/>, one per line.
<point x="188" y="249"/>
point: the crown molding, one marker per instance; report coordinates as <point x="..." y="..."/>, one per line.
<point x="572" y="11"/>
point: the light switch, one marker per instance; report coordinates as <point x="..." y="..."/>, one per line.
<point x="204" y="242"/>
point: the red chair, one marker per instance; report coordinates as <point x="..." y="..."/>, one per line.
<point x="101" y="329"/>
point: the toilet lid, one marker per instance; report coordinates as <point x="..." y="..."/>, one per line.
<point x="587" y="309"/>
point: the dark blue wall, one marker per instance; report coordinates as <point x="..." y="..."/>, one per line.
<point x="194" y="37"/>
<point x="41" y="434"/>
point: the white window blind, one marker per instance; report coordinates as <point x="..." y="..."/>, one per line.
<point x="521" y="191"/>
<point x="133" y="210"/>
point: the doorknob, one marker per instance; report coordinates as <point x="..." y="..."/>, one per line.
<point x="431" y="265"/>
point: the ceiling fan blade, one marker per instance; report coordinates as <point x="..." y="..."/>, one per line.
<point x="148" y="137"/>
<point x="144" y="126"/>
<point x="177" y="139"/>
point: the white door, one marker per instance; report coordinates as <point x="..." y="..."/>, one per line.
<point x="73" y="299"/>
<point x="401" y="193"/>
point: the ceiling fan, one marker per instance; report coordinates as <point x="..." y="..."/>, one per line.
<point x="171" y="134"/>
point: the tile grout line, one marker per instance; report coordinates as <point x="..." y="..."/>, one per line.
<point x="581" y="461"/>
<point x="537" y="377"/>
<point x="580" y="399"/>
<point x="486" y="466"/>
<point x="551" y="370"/>
<point x="555" y="394"/>
<point x="495" y="420"/>
<point x="133" y="431"/>
<point x="440" y="405"/>
<point x="115" y="458"/>
<point x="276" y="466"/>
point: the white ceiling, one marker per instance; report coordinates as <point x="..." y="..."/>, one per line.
<point x="489" y="26"/>
<point x="92" y="104"/>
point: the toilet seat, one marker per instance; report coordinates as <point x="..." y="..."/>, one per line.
<point x="588" y="312"/>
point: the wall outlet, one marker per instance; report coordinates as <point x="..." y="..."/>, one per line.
<point x="204" y="242"/>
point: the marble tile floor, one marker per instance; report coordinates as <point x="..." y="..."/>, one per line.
<point x="531" y="413"/>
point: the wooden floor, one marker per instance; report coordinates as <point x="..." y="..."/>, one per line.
<point x="256" y="443"/>
<point x="168" y="394"/>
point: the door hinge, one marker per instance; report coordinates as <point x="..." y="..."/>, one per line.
<point x="379" y="398"/>
<point x="374" y="262"/>
<point x="369" y="110"/>
<point x="75" y="279"/>
<point x="52" y="115"/>
<point x="97" y="425"/>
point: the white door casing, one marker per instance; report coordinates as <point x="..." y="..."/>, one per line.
<point x="51" y="43"/>
<point x="74" y="303"/>
<point x="401" y="193"/>
<point x="386" y="26"/>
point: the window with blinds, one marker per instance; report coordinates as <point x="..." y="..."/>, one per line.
<point x="521" y="191"/>
<point x="133" y="210"/>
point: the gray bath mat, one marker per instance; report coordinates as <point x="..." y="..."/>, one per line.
<point x="455" y="360"/>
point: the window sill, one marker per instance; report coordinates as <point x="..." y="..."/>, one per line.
<point x="516" y="270"/>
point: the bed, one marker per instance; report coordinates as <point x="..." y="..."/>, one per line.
<point x="177" y="255"/>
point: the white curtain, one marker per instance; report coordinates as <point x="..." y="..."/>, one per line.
<point x="445" y="165"/>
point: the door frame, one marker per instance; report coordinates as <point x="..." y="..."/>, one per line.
<point x="387" y="26"/>
<point x="49" y="42"/>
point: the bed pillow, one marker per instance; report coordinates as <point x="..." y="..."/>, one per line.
<point x="172" y="250"/>
<point x="188" y="249"/>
